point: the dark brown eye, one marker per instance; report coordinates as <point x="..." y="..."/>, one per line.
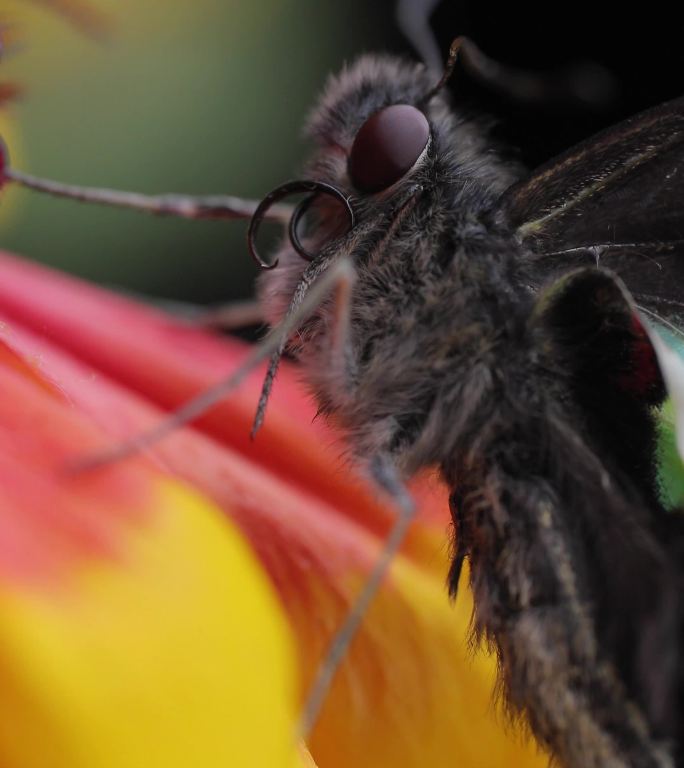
<point x="387" y="147"/>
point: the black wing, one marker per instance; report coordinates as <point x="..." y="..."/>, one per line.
<point x="616" y="201"/>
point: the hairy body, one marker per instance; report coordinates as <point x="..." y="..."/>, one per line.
<point x="530" y="407"/>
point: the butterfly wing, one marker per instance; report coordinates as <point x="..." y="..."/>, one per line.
<point x="615" y="201"/>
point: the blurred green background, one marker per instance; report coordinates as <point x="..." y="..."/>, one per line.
<point x="197" y="96"/>
<point x="209" y="96"/>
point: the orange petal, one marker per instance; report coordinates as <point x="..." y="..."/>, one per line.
<point x="136" y="628"/>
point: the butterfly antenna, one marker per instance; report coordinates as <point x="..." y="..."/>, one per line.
<point x="587" y="85"/>
<point x="181" y="206"/>
<point x="413" y="19"/>
<point x="454" y="51"/>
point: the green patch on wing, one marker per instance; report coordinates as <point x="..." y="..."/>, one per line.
<point x="670" y="465"/>
<point x="669" y="459"/>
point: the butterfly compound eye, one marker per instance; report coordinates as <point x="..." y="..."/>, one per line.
<point x="387" y="147"/>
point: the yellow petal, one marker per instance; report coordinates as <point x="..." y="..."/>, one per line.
<point x="179" y="658"/>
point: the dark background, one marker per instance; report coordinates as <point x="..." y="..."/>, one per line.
<point x="205" y="96"/>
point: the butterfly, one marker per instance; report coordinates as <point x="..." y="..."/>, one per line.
<point x="449" y="311"/>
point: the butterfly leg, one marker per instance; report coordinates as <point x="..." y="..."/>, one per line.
<point x="274" y="341"/>
<point x="230" y="316"/>
<point x="383" y="472"/>
<point x="344" y="282"/>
